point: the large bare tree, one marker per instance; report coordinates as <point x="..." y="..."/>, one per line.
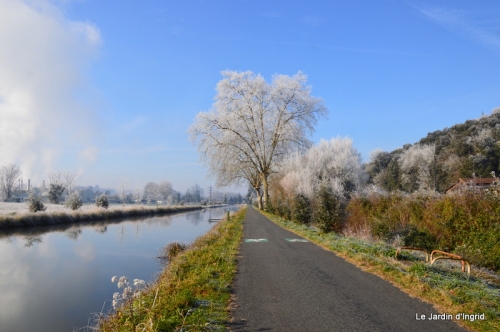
<point x="257" y="121"/>
<point x="8" y="176"/>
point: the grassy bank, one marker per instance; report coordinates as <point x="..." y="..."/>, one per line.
<point x="44" y="218"/>
<point x="192" y="293"/>
<point x="442" y="285"/>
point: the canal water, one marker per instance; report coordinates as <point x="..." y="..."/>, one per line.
<point x="55" y="278"/>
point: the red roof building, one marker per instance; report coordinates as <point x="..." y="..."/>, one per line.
<point x="473" y="184"/>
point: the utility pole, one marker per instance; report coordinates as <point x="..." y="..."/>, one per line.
<point x="210" y="195"/>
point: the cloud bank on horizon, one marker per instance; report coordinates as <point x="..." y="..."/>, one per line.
<point x="43" y="88"/>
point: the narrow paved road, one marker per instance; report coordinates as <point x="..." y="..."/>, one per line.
<point x="298" y="286"/>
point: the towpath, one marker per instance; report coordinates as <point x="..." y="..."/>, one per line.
<point x="284" y="284"/>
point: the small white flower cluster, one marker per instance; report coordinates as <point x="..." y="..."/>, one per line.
<point x="128" y="292"/>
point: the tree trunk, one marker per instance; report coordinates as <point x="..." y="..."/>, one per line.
<point x="265" y="187"/>
<point x="259" y="197"/>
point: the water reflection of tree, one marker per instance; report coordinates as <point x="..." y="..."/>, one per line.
<point x="101" y="229"/>
<point x="194" y="217"/>
<point x="73" y="233"/>
<point x="31" y="240"/>
<point x="163" y="221"/>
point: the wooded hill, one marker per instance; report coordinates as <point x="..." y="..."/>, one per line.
<point x="465" y="149"/>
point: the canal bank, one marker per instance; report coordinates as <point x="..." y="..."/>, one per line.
<point x="193" y="292"/>
<point x="96" y="214"/>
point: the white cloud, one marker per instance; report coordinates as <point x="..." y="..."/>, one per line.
<point x="470" y="24"/>
<point x="42" y="64"/>
<point x="89" y="31"/>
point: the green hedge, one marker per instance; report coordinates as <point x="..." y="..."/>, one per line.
<point x="467" y="224"/>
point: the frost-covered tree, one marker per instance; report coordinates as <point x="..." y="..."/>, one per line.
<point x="102" y="201"/>
<point x="59" y="182"/>
<point x="194" y="194"/>
<point x="122" y="192"/>
<point x="8" y="176"/>
<point x="68" y="180"/>
<point x="450" y="165"/>
<point x="137" y="195"/>
<point x="165" y="190"/>
<point x="74" y="201"/>
<point x="334" y="163"/>
<point x="55" y="193"/>
<point x="35" y="203"/>
<point x="257" y="121"/>
<point x="151" y="192"/>
<point x="416" y="162"/>
<point x="56" y="178"/>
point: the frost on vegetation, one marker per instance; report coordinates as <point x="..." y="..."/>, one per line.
<point x="8" y="177"/>
<point x="450" y="163"/>
<point x="129" y="292"/>
<point x="483" y="140"/>
<point x="74" y="201"/>
<point x="334" y="163"/>
<point x="416" y="163"/>
<point x="323" y="177"/>
<point x="371" y="190"/>
<point x="478" y="158"/>
<point x="102" y="201"/>
<point x="55" y="192"/>
<point x="35" y="203"/>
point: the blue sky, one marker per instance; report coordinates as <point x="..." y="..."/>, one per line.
<point x="111" y="87"/>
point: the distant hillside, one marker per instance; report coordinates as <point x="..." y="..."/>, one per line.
<point x="459" y="151"/>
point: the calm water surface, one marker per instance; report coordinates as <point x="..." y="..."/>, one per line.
<point x="53" y="278"/>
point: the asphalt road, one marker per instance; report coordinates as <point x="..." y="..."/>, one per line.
<point x="299" y="286"/>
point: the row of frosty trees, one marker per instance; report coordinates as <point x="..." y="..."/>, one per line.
<point x="258" y="132"/>
<point x="61" y="188"/>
